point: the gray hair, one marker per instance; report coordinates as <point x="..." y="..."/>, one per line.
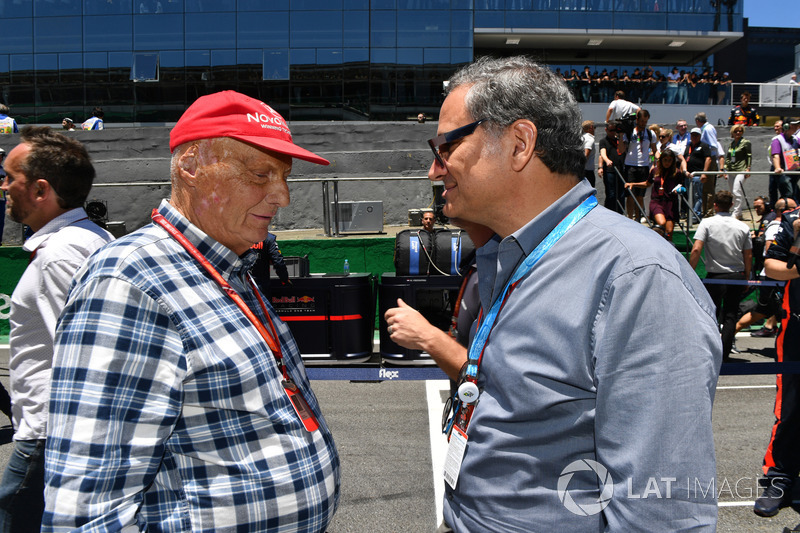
<point x="509" y="89"/>
<point x="701" y="117"/>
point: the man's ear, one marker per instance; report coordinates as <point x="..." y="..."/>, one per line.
<point x="42" y="189"/>
<point x="187" y="164"/>
<point x="524" y="136"/>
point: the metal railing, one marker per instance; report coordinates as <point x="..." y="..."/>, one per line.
<point x="692" y="215"/>
<point x="331" y="227"/>
<point x="767" y="94"/>
<point x="326" y="203"/>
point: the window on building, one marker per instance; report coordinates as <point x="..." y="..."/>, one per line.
<point x="145" y="66"/>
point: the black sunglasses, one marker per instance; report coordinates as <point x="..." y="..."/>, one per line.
<point x="450" y="136"/>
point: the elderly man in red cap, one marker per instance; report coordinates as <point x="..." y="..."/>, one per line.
<point x="179" y="400"/>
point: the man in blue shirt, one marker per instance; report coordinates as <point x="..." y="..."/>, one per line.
<point x="585" y="398"/>
<point x="179" y="400"/>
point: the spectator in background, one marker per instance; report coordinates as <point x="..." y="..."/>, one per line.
<point x="7" y="124"/>
<point x="683" y="88"/>
<point x="665" y="143"/>
<point x="698" y="159"/>
<point x="785" y="151"/>
<point x="620" y="108"/>
<point x="667" y="180"/>
<point x="428" y="218"/>
<point x="681" y="138"/>
<point x="774" y="179"/>
<point x="744" y="113"/>
<point x="67" y="124"/>
<point x="766" y="216"/>
<point x="586" y="85"/>
<point x="612" y="167"/>
<point x="672" y="85"/>
<point x="729" y="255"/>
<point x="708" y="135"/>
<point x="269" y="254"/>
<point x="589" y="150"/>
<point x="95" y="122"/>
<point x="638" y="161"/>
<point x="49" y="178"/>
<point x="723" y="89"/>
<point x="738" y="160"/>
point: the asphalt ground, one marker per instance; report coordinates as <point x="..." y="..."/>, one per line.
<point x="383" y="431"/>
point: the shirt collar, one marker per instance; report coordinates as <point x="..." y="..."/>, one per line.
<point x="224" y="260"/>
<point x="61" y="221"/>
<point x="498" y="259"/>
<point x="531" y="234"/>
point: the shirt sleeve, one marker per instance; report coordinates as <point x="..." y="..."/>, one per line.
<point x="54" y="280"/>
<point x="701" y="234"/>
<point x="775" y="147"/>
<point x="653" y="412"/>
<point x="115" y="397"/>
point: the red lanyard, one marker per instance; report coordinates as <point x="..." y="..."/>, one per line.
<point x="274" y="346"/>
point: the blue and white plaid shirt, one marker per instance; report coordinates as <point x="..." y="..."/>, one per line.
<point x="167" y="411"/>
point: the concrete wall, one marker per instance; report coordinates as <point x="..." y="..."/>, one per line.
<point x="355" y="149"/>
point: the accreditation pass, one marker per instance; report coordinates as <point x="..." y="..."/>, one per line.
<point x="455" y="456"/>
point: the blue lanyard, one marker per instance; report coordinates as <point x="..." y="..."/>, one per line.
<point x="486" y="325"/>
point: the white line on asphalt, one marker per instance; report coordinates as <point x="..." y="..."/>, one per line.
<point x="727" y="387"/>
<point x="735" y="504"/>
<point x="434" y="390"/>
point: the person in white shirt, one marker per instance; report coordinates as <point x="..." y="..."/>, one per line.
<point x="48" y="177"/>
<point x="95" y="122"/>
<point x="620" y="107"/>
<point x="589" y="150"/>
<point x="638" y="159"/>
<point x="728" y="256"/>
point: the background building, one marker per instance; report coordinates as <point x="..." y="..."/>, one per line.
<point x="146" y="60"/>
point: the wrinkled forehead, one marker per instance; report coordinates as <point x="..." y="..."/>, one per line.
<point x="226" y="149"/>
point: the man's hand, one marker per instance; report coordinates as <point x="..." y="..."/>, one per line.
<point x="408" y="328"/>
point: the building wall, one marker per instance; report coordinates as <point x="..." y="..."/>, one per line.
<point x="145" y="61"/>
<point x="389" y="150"/>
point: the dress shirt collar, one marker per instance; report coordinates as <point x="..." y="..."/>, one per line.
<point x="531" y="234"/>
<point x="224" y="260"/>
<point x="61" y="221"/>
<point x="498" y="259"/>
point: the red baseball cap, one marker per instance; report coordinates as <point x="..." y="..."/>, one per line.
<point x="232" y="114"/>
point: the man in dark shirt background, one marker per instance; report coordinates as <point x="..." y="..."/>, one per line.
<point x="269" y="254"/>
<point x="698" y="159"/>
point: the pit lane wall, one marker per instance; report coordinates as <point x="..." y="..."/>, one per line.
<point x="355" y="149"/>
